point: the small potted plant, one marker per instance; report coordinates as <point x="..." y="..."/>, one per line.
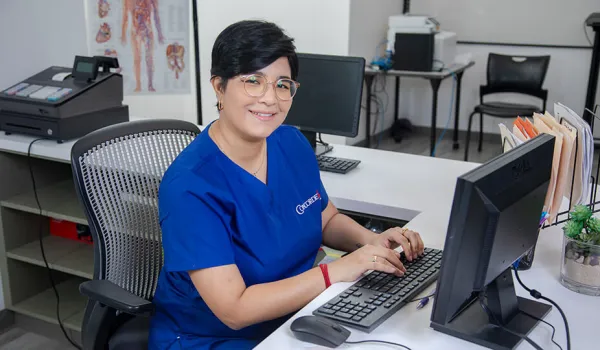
<point x="580" y="270"/>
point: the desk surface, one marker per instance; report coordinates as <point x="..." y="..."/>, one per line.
<point x="44" y="149"/>
<point x="398" y="171"/>
<point x="420" y="190"/>
<point x="399" y="185"/>
<point x="454" y="69"/>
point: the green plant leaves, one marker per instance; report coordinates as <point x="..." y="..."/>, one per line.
<point x="581" y="213"/>
<point x="593" y="226"/>
<point x="582" y="226"/>
<point x="573" y="228"/>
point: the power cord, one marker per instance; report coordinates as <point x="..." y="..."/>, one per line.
<point x="442" y="63"/>
<point x="384" y="106"/>
<point x="321" y="140"/>
<point x="376" y="112"/>
<point x="498" y="324"/>
<point x="41" y="237"/>
<point x="382" y="119"/>
<point x="378" y="341"/>
<point x="551" y="326"/>
<point x="534" y="293"/>
<point x="425" y="297"/>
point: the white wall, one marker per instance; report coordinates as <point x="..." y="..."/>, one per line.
<point x="32" y="39"/>
<point x="566" y="82"/>
<point x="160" y="105"/>
<point x="54" y="34"/>
<point x="343" y="27"/>
<point x="368" y="28"/>
<point x="549" y="22"/>
<point x="318" y="26"/>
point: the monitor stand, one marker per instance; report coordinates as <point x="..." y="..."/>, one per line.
<point x="473" y="323"/>
<point x="312" y="139"/>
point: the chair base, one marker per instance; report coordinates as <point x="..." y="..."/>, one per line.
<point x="133" y="335"/>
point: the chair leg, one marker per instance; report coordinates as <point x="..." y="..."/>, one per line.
<point x="468" y="137"/>
<point x="480" y="132"/>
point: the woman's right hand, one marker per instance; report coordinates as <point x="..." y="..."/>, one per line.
<point x="369" y="257"/>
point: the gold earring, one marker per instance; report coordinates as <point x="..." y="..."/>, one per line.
<point x="220" y="105"/>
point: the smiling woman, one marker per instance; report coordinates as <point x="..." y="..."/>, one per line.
<point x="243" y="210"/>
<point x="249" y="108"/>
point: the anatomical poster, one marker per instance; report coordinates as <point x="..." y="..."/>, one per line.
<point x="150" y="38"/>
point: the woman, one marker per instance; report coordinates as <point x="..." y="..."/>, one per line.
<point x="243" y="210"/>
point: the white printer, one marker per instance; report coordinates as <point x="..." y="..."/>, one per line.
<point x="420" y="35"/>
<point x="444" y="51"/>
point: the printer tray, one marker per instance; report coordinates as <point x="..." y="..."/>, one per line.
<point x="61" y="129"/>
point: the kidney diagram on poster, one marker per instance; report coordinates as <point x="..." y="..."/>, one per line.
<point x="150" y="38"/>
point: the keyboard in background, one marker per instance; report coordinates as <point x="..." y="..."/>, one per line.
<point x="336" y="165"/>
<point x="377" y="296"/>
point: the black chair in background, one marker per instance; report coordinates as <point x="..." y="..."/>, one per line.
<point x="515" y="74"/>
<point x="117" y="172"/>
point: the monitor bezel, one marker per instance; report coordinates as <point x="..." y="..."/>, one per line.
<point x="357" y="104"/>
<point x="465" y="185"/>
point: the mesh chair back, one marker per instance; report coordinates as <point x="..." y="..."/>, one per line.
<point x="117" y="172"/>
<point x="522" y="74"/>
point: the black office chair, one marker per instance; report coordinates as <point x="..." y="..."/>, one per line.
<point x="117" y="172"/>
<point x="516" y="74"/>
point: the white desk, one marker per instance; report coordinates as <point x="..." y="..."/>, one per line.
<point x="44" y="149"/>
<point x="420" y="189"/>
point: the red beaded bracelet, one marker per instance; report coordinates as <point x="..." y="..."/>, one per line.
<point x="325" y="275"/>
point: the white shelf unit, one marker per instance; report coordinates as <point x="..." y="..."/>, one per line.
<point x="26" y="283"/>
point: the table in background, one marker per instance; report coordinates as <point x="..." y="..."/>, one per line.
<point x="435" y="79"/>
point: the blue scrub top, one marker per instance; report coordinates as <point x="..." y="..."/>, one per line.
<point x="213" y="213"/>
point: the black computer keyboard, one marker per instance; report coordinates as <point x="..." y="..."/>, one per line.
<point x="378" y="295"/>
<point x="336" y="165"/>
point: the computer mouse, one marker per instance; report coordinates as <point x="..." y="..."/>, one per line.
<point x="320" y="331"/>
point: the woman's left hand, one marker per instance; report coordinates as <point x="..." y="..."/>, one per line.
<point x="411" y="241"/>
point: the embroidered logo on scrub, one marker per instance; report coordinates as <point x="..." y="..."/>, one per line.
<point x="300" y="208"/>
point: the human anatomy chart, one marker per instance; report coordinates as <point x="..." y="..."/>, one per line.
<point x="150" y="38"/>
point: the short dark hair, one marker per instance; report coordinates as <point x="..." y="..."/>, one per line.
<point x="248" y="46"/>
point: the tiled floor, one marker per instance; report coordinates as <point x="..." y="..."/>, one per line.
<point x="18" y="339"/>
<point x="418" y="143"/>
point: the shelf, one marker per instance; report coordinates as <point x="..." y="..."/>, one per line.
<point x="75" y="322"/>
<point x="43" y="306"/>
<point x="58" y="201"/>
<point x="65" y="255"/>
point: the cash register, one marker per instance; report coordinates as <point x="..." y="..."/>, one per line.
<point x="61" y="103"/>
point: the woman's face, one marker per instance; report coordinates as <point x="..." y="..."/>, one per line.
<point x="256" y="118"/>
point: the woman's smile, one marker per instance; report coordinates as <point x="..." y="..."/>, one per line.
<point x="263" y="115"/>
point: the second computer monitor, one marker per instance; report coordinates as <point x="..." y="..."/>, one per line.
<point x="329" y="98"/>
<point x="494" y="221"/>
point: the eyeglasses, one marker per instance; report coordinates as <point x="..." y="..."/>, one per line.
<point x="256" y="86"/>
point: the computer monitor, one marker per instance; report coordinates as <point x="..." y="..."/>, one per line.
<point x="494" y="221"/>
<point x="329" y="98"/>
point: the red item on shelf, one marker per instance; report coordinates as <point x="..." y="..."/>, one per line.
<point x="68" y="230"/>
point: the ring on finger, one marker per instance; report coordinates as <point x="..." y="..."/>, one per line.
<point x="374" y="258"/>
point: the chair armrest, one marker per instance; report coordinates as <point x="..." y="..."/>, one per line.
<point x="113" y="296"/>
